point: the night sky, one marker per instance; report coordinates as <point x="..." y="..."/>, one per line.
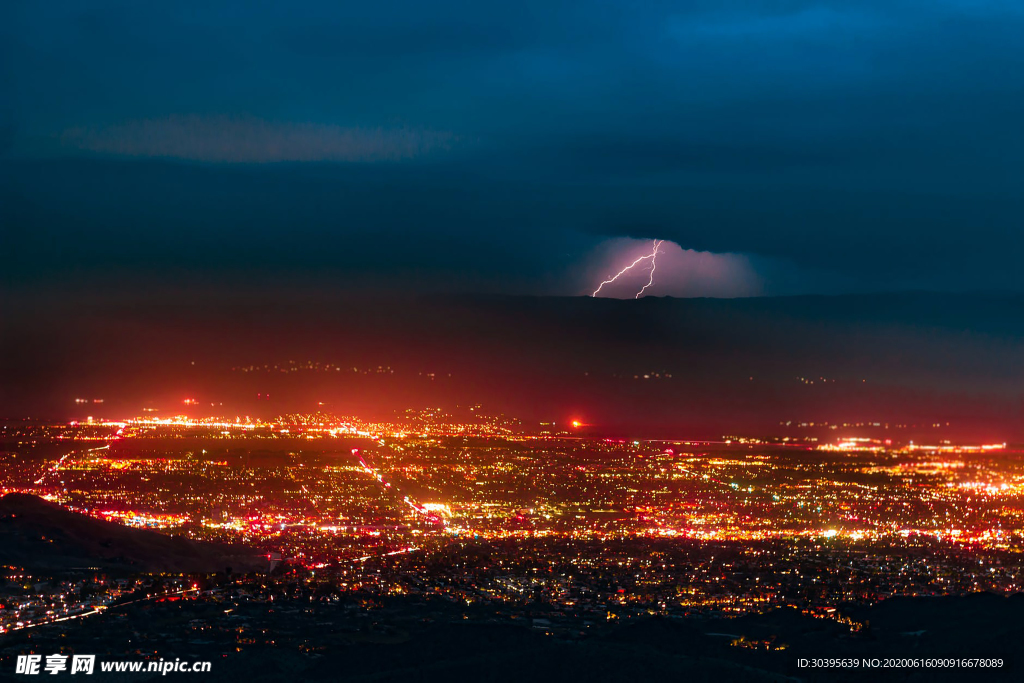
<point x="187" y="188"/>
<point x="806" y="147"/>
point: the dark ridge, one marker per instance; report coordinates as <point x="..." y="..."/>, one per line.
<point x="41" y="535"/>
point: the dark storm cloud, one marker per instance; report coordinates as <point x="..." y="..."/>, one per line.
<point x="872" y="144"/>
<point x="231" y="140"/>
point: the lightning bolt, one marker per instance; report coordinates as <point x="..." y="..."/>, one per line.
<point x="654" y="264"/>
<point x="653" y="256"/>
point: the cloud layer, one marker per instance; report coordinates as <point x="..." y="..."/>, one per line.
<point x="249" y="140"/>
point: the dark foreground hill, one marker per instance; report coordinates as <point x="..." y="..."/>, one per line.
<point x="37" y="534"/>
<point x="413" y="640"/>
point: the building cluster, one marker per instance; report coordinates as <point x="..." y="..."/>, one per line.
<point x="489" y="512"/>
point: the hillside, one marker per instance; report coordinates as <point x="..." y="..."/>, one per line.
<point x="38" y="534"/>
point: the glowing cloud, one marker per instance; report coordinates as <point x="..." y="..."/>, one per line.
<point x="222" y="139"/>
<point x="666" y="269"/>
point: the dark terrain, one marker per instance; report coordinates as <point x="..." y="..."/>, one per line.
<point x="44" y="536"/>
<point x="358" y="638"/>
